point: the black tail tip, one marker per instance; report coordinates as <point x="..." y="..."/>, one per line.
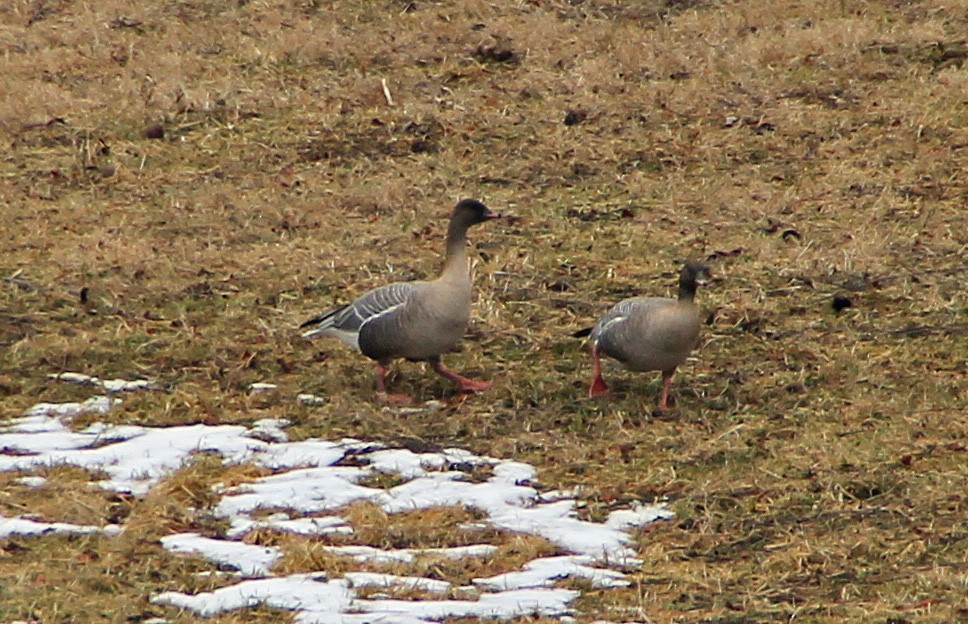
<point x="581" y="333"/>
<point x="312" y="321"/>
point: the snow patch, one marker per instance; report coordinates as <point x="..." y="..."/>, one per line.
<point x="95" y="405"/>
<point x="408" y="555"/>
<point x="248" y="559"/>
<point x="26" y="526"/>
<point x="312" y="478"/>
<point x="109" y="385"/>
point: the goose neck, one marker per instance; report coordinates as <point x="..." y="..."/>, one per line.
<point x="687" y="290"/>
<point x="455" y="262"/>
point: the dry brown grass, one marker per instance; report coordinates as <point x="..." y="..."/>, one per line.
<point x="816" y="460"/>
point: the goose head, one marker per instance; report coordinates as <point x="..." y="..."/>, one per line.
<point x="470" y="212"/>
<point x="694" y="274"/>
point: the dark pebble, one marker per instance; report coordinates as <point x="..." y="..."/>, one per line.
<point x="575" y="117"/>
<point x="840" y="302"/>
<point x="153" y="131"/>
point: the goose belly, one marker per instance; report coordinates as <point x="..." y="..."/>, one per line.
<point x="441" y="323"/>
<point x="416" y="337"/>
<point x="650" y="357"/>
<point x="662" y="346"/>
<point x="445" y="337"/>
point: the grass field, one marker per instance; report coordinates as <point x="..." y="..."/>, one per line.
<point x="184" y="182"/>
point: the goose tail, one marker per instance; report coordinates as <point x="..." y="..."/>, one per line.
<point x="321" y="323"/>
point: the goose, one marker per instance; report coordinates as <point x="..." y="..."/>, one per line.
<point x="649" y="333"/>
<point x="416" y="321"/>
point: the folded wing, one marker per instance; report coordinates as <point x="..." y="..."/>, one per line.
<point x="346" y="321"/>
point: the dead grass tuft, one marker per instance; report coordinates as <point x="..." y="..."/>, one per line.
<point x="302" y="555"/>
<point x="184" y="500"/>
<point x="433" y="527"/>
<point x="68" y="495"/>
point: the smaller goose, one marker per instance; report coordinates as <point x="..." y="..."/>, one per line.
<point x="649" y="333"/>
<point x="417" y="321"/>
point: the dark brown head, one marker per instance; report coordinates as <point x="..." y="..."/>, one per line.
<point x="694" y="273"/>
<point x="466" y="213"/>
<point x="470" y="212"/>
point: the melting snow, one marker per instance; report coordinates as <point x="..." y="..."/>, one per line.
<point x="249" y="559"/>
<point x="26" y="526"/>
<point x="94" y="405"/>
<point x="32" y="481"/>
<point x="296" y="591"/>
<point x="109" y="385"/>
<point x="544" y="572"/>
<point x="407" y="555"/>
<point x="374" y="579"/>
<point x="282" y="522"/>
<point x="306" y="485"/>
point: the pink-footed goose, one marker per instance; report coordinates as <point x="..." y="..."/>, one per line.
<point x="649" y="333"/>
<point x="417" y="321"/>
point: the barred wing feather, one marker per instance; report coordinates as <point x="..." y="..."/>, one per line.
<point x="346" y="321"/>
<point x="618" y="313"/>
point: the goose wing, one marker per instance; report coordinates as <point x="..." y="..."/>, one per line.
<point x="346" y="321"/>
<point x="614" y="318"/>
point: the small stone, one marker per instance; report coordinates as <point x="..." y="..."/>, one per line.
<point x="123" y="385"/>
<point x="575" y="117"/>
<point x="76" y="378"/>
<point x="856" y="282"/>
<point x="311" y="399"/>
<point x="153" y="131"/>
<point x="840" y="302"/>
<point x="501" y="52"/>
<point x="262" y="387"/>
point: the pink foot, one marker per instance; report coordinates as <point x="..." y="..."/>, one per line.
<point x="381" y="388"/>
<point x="463" y="383"/>
<point x="664" y="396"/>
<point x="393" y="399"/>
<point x="471" y="385"/>
<point x="598" y="388"/>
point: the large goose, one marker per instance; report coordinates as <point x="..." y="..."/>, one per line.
<point x="649" y="333"/>
<point x="417" y="321"/>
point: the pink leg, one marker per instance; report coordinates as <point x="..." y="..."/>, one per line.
<point x="465" y="384"/>
<point x="381" y="388"/>
<point x="666" y="384"/>
<point x="598" y="387"/>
